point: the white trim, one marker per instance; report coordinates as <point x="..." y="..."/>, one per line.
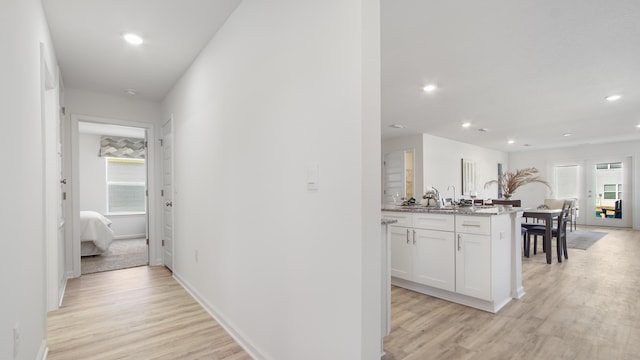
<point x="236" y="334"/>
<point x="62" y="289"/>
<point x="43" y="352"/>
<point x="492" y="306"/>
<point x="130" y="237"/>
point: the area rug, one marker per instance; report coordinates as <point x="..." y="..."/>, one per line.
<point x="583" y="239"/>
<point x="121" y="254"/>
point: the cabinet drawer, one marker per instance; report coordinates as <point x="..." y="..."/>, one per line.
<point x="442" y="222"/>
<point x="473" y="225"/>
<point x="404" y="219"/>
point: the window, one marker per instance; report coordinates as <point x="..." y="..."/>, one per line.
<point x="566" y="181"/>
<point x="126" y="185"/>
<point x="608" y="166"/>
<point x="612" y="191"/>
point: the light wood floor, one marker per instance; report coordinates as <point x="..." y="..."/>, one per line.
<point x="137" y="313"/>
<point x="585" y="308"/>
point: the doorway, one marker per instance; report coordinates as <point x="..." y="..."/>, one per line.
<point x="608" y="183"/>
<point x="111" y="208"/>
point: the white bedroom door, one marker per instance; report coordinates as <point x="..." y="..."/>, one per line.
<point x="167" y="193"/>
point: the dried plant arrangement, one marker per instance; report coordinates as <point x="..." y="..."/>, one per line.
<point x="512" y="180"/>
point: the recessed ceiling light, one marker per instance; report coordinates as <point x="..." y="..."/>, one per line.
<point x="638" y="126"/>
<point x="130" y="92"/>
<point x="613" y="97"/>
<point x="511" y="142"/>
<point x="483" y="130"/>
<point x="397" y="126"/>
<point x="430" y="88"/>
<point x="567" y="134"/>
<point x="466" y="124"/>
<point x="133" y="39"/>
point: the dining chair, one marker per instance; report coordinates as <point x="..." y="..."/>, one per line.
<point x="559" y="232"/>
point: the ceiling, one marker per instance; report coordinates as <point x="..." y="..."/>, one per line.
<point x="528" y="71"/>
<point x="87" y="36"/>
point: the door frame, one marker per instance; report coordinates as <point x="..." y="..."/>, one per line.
<point x="73" y="248"/>
<point x="173" y="185"/>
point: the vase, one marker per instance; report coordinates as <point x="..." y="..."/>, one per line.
<point x="506" y="196"/>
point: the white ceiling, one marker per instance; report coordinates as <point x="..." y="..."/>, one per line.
<point x="525" y="70"/>
<point x="87" y="36"/>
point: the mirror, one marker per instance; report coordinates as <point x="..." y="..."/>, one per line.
<point x="398" y="176"/>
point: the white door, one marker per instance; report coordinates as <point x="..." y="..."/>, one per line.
<point x="608" y="200"/>
<point x="394" y="177"/>
<point x="167" y="193"/>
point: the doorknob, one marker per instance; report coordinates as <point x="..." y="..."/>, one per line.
<point x="63" y="181"/>
<point x="169" y="203"/>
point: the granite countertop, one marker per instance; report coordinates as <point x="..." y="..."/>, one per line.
<point x="459" y="210"/>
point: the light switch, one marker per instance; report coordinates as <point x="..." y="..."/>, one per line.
<point x="312" y="176"/>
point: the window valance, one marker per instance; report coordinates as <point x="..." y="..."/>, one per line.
<point x="122" y="147"/>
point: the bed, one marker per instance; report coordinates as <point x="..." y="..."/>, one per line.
<point x="95" y="233"/>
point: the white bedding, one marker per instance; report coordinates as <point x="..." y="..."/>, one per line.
<point x="95" y="227"/>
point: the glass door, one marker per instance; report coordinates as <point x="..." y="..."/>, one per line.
<point x="608" y="192"/>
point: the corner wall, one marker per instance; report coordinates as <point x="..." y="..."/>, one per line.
<point x="23" y="29"/>
<point x="278" y="92"/>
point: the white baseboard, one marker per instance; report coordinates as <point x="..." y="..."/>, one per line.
<point x="130" y="236"/>
<point x="43" y="352"/>
<point x="237" y="335"/>
<point x="61" y="291"/>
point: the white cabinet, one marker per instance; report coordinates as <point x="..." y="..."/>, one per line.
<point x="473" y="265"/>
<point x="460" y="258"/>
<point x="473" y="256"/>
<point x="434" y="259"/>
<point x="421" y="255"/>
<point x="401" y="252"/>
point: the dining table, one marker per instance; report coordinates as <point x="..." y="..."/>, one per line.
<point x="548" y="215"/>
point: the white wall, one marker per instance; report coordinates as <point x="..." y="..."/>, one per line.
<point x="545" y="160"/>
<point x="442" y="165"/>
<point x="438" y="162"/>
<point x="22" y="260"/>
<point x="94" y="104"/>
<point x="93" y="190"/>
<point x="278" y="89"/>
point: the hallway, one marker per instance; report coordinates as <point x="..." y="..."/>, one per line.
<point x="137" y="313"/>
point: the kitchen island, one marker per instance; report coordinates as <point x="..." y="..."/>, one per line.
<point x="470" y="256"/>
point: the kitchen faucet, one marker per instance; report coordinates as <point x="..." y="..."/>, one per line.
<point x="454" y="193"/>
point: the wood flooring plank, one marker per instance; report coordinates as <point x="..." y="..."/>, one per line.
<point x="138" y="313"/>
<point x="587" y="308"/>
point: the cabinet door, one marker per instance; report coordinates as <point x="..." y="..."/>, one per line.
<point x="434" y="258"/>
<point x="473" y="265"/>
<point x="401" y="252"/>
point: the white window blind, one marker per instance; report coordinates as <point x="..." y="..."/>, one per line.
<point x="567" y="181"/>
<point x="126" y="185"/>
